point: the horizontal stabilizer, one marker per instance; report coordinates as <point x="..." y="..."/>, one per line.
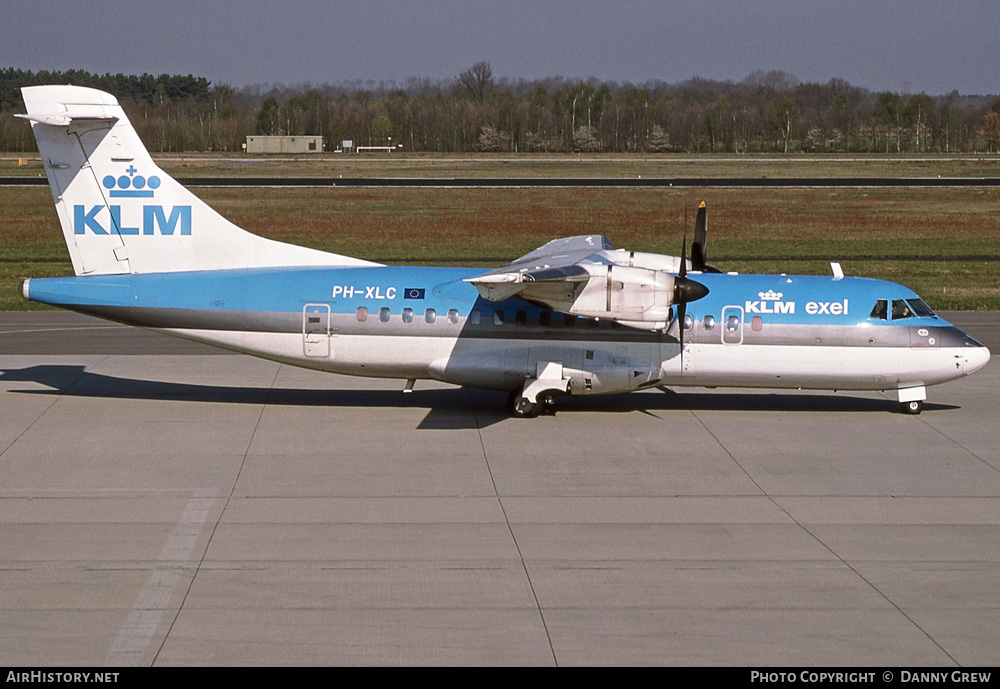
<point x="66" y="119"/>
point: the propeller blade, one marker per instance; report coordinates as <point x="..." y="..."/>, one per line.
<point x="685" y="290"/>
<point x="681" y="315"/>
<point x="684" y="247"/>
<point x="680" y="292"/>
<point x="698" y="255"/>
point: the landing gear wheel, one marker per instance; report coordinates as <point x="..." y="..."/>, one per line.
<point x="547" y="404"/>
<point x="914" y="407"/>
<point x="521" y="408"/>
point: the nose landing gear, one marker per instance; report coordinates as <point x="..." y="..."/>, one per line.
<point x="911" y="400"/>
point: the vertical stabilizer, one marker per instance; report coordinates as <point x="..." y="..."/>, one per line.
<point x="120" y="213"/>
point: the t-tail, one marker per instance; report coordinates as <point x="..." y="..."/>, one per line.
<point x="120" y="213"/>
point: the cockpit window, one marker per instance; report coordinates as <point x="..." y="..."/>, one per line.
<point x="880" y="310"/>
<point x="901" y="310"/>
<point x="921" y="309"/>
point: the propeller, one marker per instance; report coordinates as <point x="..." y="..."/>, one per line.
<point x="700" y="235"/>
<point x="681" y="283"/>
<point x="698" y="251"/>
<point x="686" y="289"/>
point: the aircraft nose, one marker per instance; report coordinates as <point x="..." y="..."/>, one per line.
<point x="976" y="358"/>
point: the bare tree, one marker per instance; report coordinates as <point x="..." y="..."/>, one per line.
<point x="782" y="116"/>
<point x="477" y="81"/>
<point x="991" y="130"/>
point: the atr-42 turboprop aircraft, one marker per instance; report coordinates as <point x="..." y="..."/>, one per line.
<point x="574" y="317"/>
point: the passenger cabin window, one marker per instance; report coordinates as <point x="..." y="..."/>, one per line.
<point x="569" y="321"/>
<point x="498" y="318"/>
<point x="362" y="314"/>
<point x="430" y="315"/>
<point x="688" y="321"/>
<point x="733" y="323"/>
<point x="407" y="315"/>
<point x="383" y="314"/>
<point x="521" y="318"/>
<point x="709" y="322"/>
<point x="756" y="324"/>
<point x="880" y="310"/>
<point x="476" y="317"/>
<point x="453" y="316"/>
<point x="544" y="318"/>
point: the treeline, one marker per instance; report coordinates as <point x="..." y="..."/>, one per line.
<point x="170" y="112"/>
<point x="767" y="112"/>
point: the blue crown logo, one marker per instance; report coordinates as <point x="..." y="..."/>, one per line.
<point x="131" y="185"/>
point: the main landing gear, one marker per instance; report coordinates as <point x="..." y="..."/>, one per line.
<point x="913" y="407"/>
<point x="522" y="408"/>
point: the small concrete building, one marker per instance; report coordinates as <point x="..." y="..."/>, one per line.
<point x="284" y="144"/>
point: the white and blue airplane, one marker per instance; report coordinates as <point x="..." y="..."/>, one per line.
<point x="573" y="317"/>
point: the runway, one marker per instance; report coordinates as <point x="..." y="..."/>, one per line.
<point x="161" y="506"/>
<point x="520" y="182"/>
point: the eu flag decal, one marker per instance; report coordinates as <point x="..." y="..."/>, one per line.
<point x="414" y="293"/>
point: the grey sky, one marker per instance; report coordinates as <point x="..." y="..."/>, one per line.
<point x="919" y="45"/>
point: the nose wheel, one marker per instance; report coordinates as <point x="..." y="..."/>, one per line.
<point x="913" y="407"/>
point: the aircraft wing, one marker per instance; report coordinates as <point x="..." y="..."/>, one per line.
<point x="585" y="276"/>
<point x="559" y="261"/>
<point x="561" y="251"/>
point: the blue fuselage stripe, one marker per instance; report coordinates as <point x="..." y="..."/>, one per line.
<point x="781" y="300"/>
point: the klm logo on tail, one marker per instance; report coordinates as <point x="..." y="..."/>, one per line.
<point x="154" y="217"/>
<point x="131" y="185"/>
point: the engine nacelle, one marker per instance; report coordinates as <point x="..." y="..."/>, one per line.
<point x="610" y="291"/>
<point x="641" y="259"/>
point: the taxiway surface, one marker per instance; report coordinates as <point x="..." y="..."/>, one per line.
<point x="163" y="507"/>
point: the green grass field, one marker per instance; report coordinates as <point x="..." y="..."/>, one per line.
<point x="942" y="242"/>
<point x="552" y="165"/>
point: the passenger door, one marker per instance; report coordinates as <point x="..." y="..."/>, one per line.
<point x="316" y="330"/>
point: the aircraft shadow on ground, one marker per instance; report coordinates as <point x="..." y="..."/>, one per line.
<point x="446" y="408"/>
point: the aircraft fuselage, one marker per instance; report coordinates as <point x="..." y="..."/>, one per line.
<point x="575" y="316"/>
<point x="778" y="331"/>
